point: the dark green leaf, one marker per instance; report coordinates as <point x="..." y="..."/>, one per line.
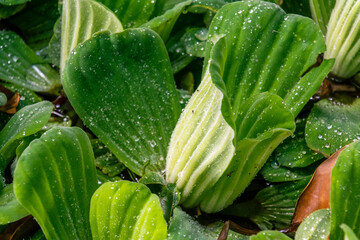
<point x="316" y="226"/>
<point x="272" y="172"/>
<point x="12" y="2"/>
<point x="345" y="192"/>
<point x="21" y="66"/>
<point x="27" y="97"/>
<point x="10" y="209"/>
<point x="80" y="20"/>
<point x="320" y="11"/>
<point x="194" y="41"/>
<point x="330" y="126"/>
<point x="8" y="11"/>
<point x="267" y="235"/>
<point x="55" y="179"/>
<point x="126" y="210"/>
<point x="136" y="110"/>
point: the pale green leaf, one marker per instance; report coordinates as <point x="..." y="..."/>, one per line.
<point x="126" y="210"/>
<point x="349" y="233"/>
<point x="54" y="180"/>
<point x="315" y="227"/>
<point x="80" y="20"/>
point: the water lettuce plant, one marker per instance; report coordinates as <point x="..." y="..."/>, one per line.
<point x="139" y="119"/>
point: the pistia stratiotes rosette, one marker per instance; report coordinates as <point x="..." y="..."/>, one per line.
<point x="255" y="82"/>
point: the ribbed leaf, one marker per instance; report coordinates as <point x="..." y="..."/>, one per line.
<point x="331" y="126"/>
<point x="321" y="11"/>
<point x="10" y="208"/>
<point x="80" y="20"/>
<point x="164" y="24"/>
<point x="126" y="210"/>
<point x="132" y="13"/>
<point x="345" y="192"/>
<point x="343" y="38"/>
<point x="136" y="110"/>
<point x="25" y="122"/>
<point x="54" y="180"/>
<point x="230" y="126"/>
<point x="315" y="227"/>
<point x="21" y="65"/>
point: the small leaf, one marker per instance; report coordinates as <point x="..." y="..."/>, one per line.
<point x="80" y="20"/>
<point x="321" y="11"/>
<point x="3" y="99"/>
<point x="331" y="125"/>
<point x="126" y="210"/>
<point x="10" y="208"/>
<point x="54" y="180"/>
<point x="266" y="235"/>
<point x="345" y="192"/>
<point x="136" y="110"/>
<point x="349" y="233"/>
<point x="10" y="104"/>
<point x="21" y="66"/>
<point x="342" y="38"/>
<point x="315" y="226"/>
<point x="316" y="195"/>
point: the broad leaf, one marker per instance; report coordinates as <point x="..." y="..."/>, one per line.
<point x="10" y="209"/>
<point x="246" y="103"/>
<point x="343" y="38"/>
<point x="12" y="2"/>
<point x="54" y="180"/>
<point x="316" y="226"/>
<point x="126" y="210"/>
<point x="136" y="110"/>
<point x="21" y="65"/>
<point x="184" y="227"/>
<point x="163" y="24"/>
<point x="321" y="11"/>
<point x="80" y="20"/>
<point x="25" y="122"/>
<point x="272" y="172"/>
<point x="345" y="192"/>
<point x="330" y="126"/>
<point x="265" y="235"/>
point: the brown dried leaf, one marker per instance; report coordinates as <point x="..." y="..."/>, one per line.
<point x="316" y="194"/>
<point x="12" y="103"/>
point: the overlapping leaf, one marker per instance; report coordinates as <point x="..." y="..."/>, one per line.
<point x="315" y="226"/>
<point x="54" y="180"/>
<point x="12" y="2"/>
<point x="321" y="11"/>
<point x="131" y="101"/>
<point x="21" y="65"/>
<point x="10" y="209"/>
<point x="80" y="20"/>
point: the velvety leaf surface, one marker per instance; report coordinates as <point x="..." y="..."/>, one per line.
<point x="135" y="112"/>
<point x="21" y="65"/>
<point x="343" y="38"/>
<point x="25" y="122"/>
<point x="163" y="24"/>
<point x="10" y="208"/>
<point x="184" y="227"/>
<point x="54" y="180"/>
<point x="316" y="226"/>
<point x="345" y="192"/>
<point x="330" y="126"/>
<point x="80" y="20"/>
<point x="321" y="11"/>
<point x="126" y="210"/>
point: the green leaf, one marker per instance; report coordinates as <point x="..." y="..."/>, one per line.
<point x="25" y="122"/>
<point x="266" y="235"/>
<point x="349" y="233"/>
<point x="126" y="210"/>
<point x="136" y="110"/>
<point x="3" y="99"/>
<point x="80" y="20"/>
<point x="345" y="192"/>
<point x="331" y="125"/>
<point x="184" y="227"/>
<point x="8" y="11"/>
<point x="194" y="41"/>
<point x="321" y="11"/>
<point x="12" y="2"/>
<point x="343" y="38"/>
<point x="27" y="97"/>
<point x="272" y="172"/>
<point x="21" y="66"/>
<point x="37" y="31"/>
<point x="272" y="207"/>
<point x="55" y="179"/>
<point x="132" y="13"/>
<point x="316" y="226"/>
<point x="164" y="24"/>
<point x="10" y="209"/>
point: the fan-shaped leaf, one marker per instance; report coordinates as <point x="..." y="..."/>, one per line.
<point x="54" y="180"/>
<point x="136" y="110"/>
<point x="80" y="20"/>
<point x="126" y="210"/>
<point x="21" y="66"/>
